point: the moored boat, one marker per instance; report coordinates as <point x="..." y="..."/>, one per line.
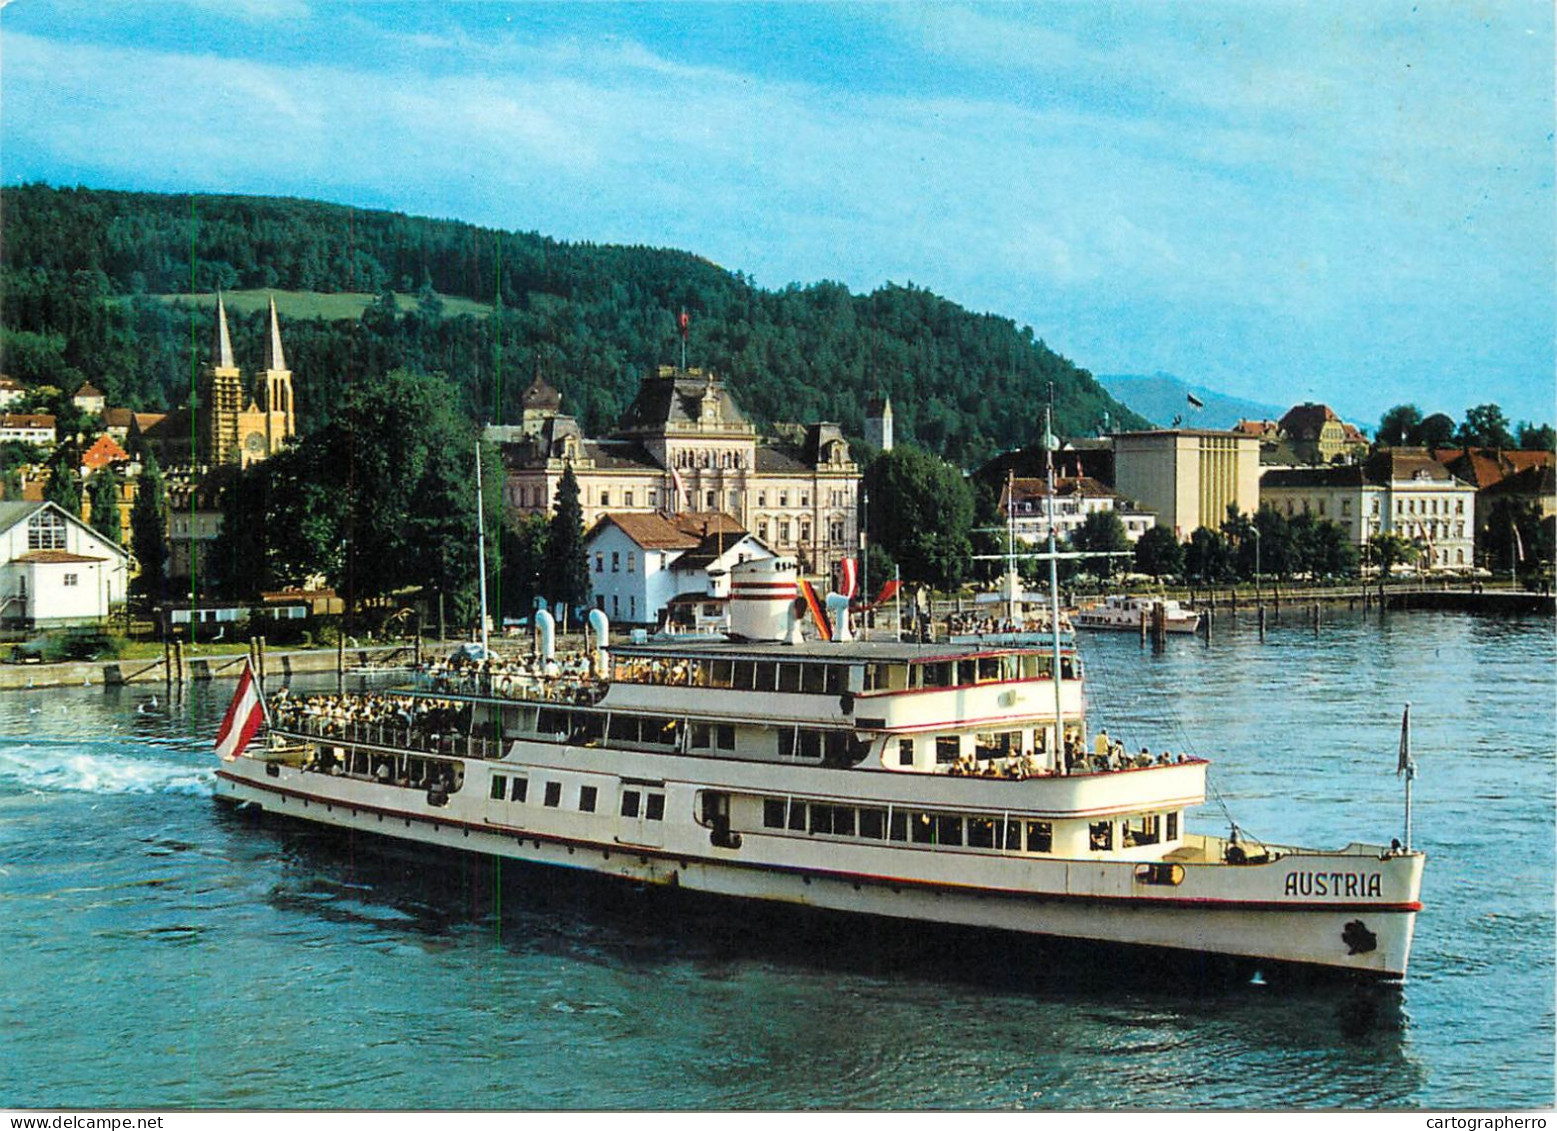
<point x="944" y="783"/>
<point x="1130" y="614"/>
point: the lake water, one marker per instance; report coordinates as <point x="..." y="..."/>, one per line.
<point x="160" y="951"/>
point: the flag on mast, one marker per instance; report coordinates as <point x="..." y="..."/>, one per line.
<point x="684" y="322"/>
<point x="1404" y="765"/>
<point x="1194" y="400"/>
<point x="847" y="582"/>
<point x="823" y="628"/>
<point x="243" y="718"/>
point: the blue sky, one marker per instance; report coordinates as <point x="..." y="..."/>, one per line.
<point x="1283" y="201"/>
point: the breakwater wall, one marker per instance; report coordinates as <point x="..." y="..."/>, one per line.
<point x="282" y="665"/>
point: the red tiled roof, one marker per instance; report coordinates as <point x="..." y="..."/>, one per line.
<point x="55" y="557"/>
<point x="1304" y="421"/>
<point x="102" y="453"/>
<point x="26" y="420"/>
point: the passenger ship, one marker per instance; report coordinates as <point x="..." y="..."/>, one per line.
<point x="942" y="783"/>
<point x="1132" y="614"/>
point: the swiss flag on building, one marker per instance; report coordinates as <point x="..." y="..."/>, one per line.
<point x="243" y="718"/>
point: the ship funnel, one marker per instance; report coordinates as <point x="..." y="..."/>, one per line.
<point x="600" y="627"/>
<point x="546" y="636"/>
<point x="838" y="613"/>
<point x="761" y="593"/>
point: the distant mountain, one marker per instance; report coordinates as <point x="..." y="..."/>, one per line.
<point x="1161" y="397"/>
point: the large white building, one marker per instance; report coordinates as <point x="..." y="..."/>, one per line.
<point x="55" y="570"/>
<point x="684" y="446"/>
<point x="1027" y="506"/>
<point x="1401" y="491"/>
<point x="642" y="565"/>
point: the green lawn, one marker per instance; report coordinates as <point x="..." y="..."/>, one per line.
<point x="314" y="304"/>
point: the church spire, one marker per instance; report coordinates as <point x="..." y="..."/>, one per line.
<point x="221" y="346"/>
<point x="275" y="359"/>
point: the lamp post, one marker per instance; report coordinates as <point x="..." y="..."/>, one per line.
<point x="1256" y="530"/>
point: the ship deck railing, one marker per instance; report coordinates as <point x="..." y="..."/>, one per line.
<point x="390" y="735"/>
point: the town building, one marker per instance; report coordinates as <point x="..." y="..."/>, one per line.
<point x="684" y="446"/>
<point x="1318" y="435"/>
<point x="90" y="400"/>
<point x="27" y="428"/>
<point x="55" y="570"/>
<point x="1188" y="477"/>
<point x="12" y="391"/>
<point x="1027" y="507"/>
<point x="1400" y="491"/>
<point x="642" y="565"/>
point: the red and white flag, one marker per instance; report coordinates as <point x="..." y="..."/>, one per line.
<point x="243" y="718"/>
<point x="847" y="580"/>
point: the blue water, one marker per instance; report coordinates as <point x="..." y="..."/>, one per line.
<point x="160" y="951"/>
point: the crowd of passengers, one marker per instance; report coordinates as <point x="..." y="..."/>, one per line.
<point x="1108" y="756"/>
<point x="568" y="679"/>
<point x="328" y="715"/>
<point x="961" y="624"/>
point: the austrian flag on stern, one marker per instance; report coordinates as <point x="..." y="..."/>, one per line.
<point x="243" y="718"/>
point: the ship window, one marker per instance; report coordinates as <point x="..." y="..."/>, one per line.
<point x="499" y="787"/>
<point x="937" y="675"/>
<point x="948" y="830"/>
<point x="897" y="825"/>
<point x="722" y="674"/>
<point x="873" y="823"/>
<point x="948" y="748"/>
<point x="837" y="679"/>
<point x="905" y="752"/>
<point x="797" y="816"/>
<point x="624" y="728"/>
<point x="808" y="744"/>
<point x="1040" y="836"/>
<point x="745" y="675"/>
<point x="821" y="818"/>
<point x="654" y="809"/>
<point x="521" y="789"/>
<point x="766" y="677"/>
<point x="981" y="832"/>
<point x="773" y="813"/>
<point x="586" y="798"/>
<point x="998" y="745"/>
<point x="1141" y="830"/>
<point x="1172" y="832"/>
<point x="967" y="673"/>
<point x="553" y="794"/>
<point x="724" y="736"/>
<point x="1101" y="835"/>
<point x="813" y="679"/>
<point x="922" y="829"/>
<point x="630" y="800"/>
<point x="1013" y="838"/>
<point x="989" y="668"/>
<point x="789" y="677"/>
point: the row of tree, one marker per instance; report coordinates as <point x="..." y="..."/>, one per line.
<point x="1484" y="426"/>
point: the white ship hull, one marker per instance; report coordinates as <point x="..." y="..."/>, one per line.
<point x="1267" y="913"/>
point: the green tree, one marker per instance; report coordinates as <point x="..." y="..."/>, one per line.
<point x="1436" y="431"/>
<point x="567" y="569"/>
<point x="64" y="485"/>
<point x="148" y="529"/>
<point x="921" y="512"/>
<point x="1397" y="425"/>
<point x="523" y="564"/>
<point x="1388" y="550"/>
<point x="1207" y="557"/>
<point x="1485" y="427"/>
<point x="1537" y="437"/>
<point x="1158" y="553"/>
<point x="103" y="493"/>
<point x="1103" y="533"/>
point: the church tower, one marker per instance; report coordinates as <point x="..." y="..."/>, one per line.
<point x="221" y="399"/>
<point x="276" y="398"/>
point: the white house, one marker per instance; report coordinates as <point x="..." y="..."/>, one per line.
<point x="1027" y="503"/>
<point x="55" y="570"/>
<point x="639" y="564"/>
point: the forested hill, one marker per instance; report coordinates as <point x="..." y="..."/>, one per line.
<point x="88" y="275"/>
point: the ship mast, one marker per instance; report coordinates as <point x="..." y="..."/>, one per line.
<point x="481" y="548"/>
<point x="1054" y="585"/>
